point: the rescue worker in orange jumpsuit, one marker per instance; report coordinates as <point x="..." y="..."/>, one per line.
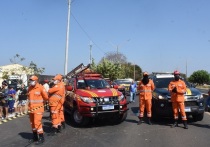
<point x="177" y="88"/>
<point x="146" y="86"/>
<point x="56" y="100"/>
<point x="36" y="97"/>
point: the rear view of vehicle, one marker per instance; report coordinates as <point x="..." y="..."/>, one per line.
<point x="162" y="106"/>
<point x="125" y="83"/>
<point x="89" y="96"/>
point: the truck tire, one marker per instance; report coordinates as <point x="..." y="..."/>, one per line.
<point x="78" y="119"/>
<point x="198" y="117"/>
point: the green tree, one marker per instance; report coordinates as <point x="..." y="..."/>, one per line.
<point x="108" y="69"/>
<point x="34" y="69"/>
<point x="199" y="77"/>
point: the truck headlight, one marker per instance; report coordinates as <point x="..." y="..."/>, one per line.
<point x="161" y="97"/>
<point x="200" y="96"/>
<point x="121" y="97"/>
<point x="87" y="99"/>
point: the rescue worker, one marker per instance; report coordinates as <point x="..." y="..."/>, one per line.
<point x="36" y="96"/>
<point x="177" y="88"/>
<point x="146" y="86"/>
<point x="4" y="100"/>
<point x="56" y="100"/>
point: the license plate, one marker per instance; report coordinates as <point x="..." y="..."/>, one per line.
<point x="107" y="107"/>
<point x="187" y="109"/>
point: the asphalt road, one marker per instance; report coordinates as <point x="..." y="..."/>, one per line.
<point x="16" y="133"/>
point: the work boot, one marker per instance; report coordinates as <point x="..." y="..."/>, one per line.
<point x="63" y="124"/>
<point x="59" y="129"/>
<point x="140" y="121"/>
<point x="149" y="121"/>
<point x="175" y="123"/>
<point x="41" y="139"/>
<point x="53" y="132"/>
<point x="35" y="137"/>
<point x="185" y="124"/>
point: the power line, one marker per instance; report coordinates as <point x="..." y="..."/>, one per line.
<point x="87" y="33"/>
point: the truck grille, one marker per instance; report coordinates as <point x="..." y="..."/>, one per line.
<point x="190" y="103"/>
<point x="106" y="100"/>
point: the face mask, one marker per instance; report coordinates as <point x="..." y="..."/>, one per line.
<point x="176" y="77"/>
<point x="32" y="83"/>
<point x="55" y="82"/>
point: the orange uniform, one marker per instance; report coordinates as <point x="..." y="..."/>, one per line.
<point x="61" y="113"/>
<point x="36" y="96"/>
<point x="56" y="100"/>
<point x="177" y="97"/>
<point x="145" y="97"/>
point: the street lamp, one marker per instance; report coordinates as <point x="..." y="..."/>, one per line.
<point x="67" y="38"/>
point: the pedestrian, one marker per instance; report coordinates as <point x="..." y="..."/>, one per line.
<point x="177" y="89"/>
<point x="22" y="100"/>
<point x="132" y="90"/>
<point x="4" y="100"/>
<point x="36" y="96"/>
<point x="11" y="101"/>
<point x="56" y="100"/>
<point x="146" y="87"/>
<point x="46" y="86"/>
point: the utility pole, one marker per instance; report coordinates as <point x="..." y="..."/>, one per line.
<point x="186" y="69"/>
<point x="67" y="38"/>
<point x="134" y="72"/>
<point x="91" y="52"/>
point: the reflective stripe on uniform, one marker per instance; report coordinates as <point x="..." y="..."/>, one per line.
<point x="145" y="91"/>
<point x="36" y="101"/>
<point x="55" y="95"/>
<point x="54" y="111"/>
<point x="40" y="130"/>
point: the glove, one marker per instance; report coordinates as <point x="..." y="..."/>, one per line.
<point x="174" y="90"/>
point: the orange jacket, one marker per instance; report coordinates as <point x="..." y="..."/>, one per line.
<point x="146" y="90"/>
<point x="57" y="94"/>
<point x="36" y="96"/>
<point x="181" y="90"/>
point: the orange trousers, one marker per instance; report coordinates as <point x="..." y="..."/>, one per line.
<point x="145" y="103"/>
<point x="36" y="122"/>
<point x="55" y="115"/>
<point x="179" y="106"/>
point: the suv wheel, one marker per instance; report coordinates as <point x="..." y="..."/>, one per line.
<point x="198" y="117"/>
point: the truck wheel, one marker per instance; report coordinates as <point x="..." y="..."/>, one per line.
<point x="123" y="117"/>
<point x="198" y="117"/>
<point x="78" y="119"/>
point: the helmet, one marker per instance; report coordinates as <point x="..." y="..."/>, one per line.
<point x="176" y="72"/>
<point x="46" y="81"/>
<point x="58" y="77"/>
<point x="33" y="78"/>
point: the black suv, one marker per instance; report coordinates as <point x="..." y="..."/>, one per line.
<point x="161" y="99"/>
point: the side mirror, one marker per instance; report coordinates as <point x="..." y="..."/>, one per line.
<point x="69" y="88"/>
<point x="115" y="86"/>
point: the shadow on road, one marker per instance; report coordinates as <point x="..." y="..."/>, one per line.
<point x="26" y="135"/>
<point x="201" y="125"/>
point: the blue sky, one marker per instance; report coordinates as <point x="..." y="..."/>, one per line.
<point x="158" y="35"/>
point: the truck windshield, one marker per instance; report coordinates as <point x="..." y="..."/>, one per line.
<point x="92" y="83"/>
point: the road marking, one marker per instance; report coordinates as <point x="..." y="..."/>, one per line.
<point x="207" y="113"/>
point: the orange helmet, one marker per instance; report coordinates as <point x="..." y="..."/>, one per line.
<point x="58" y="77"/>
<point x="33" y="78"/>
<point x="176" y="72"/>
